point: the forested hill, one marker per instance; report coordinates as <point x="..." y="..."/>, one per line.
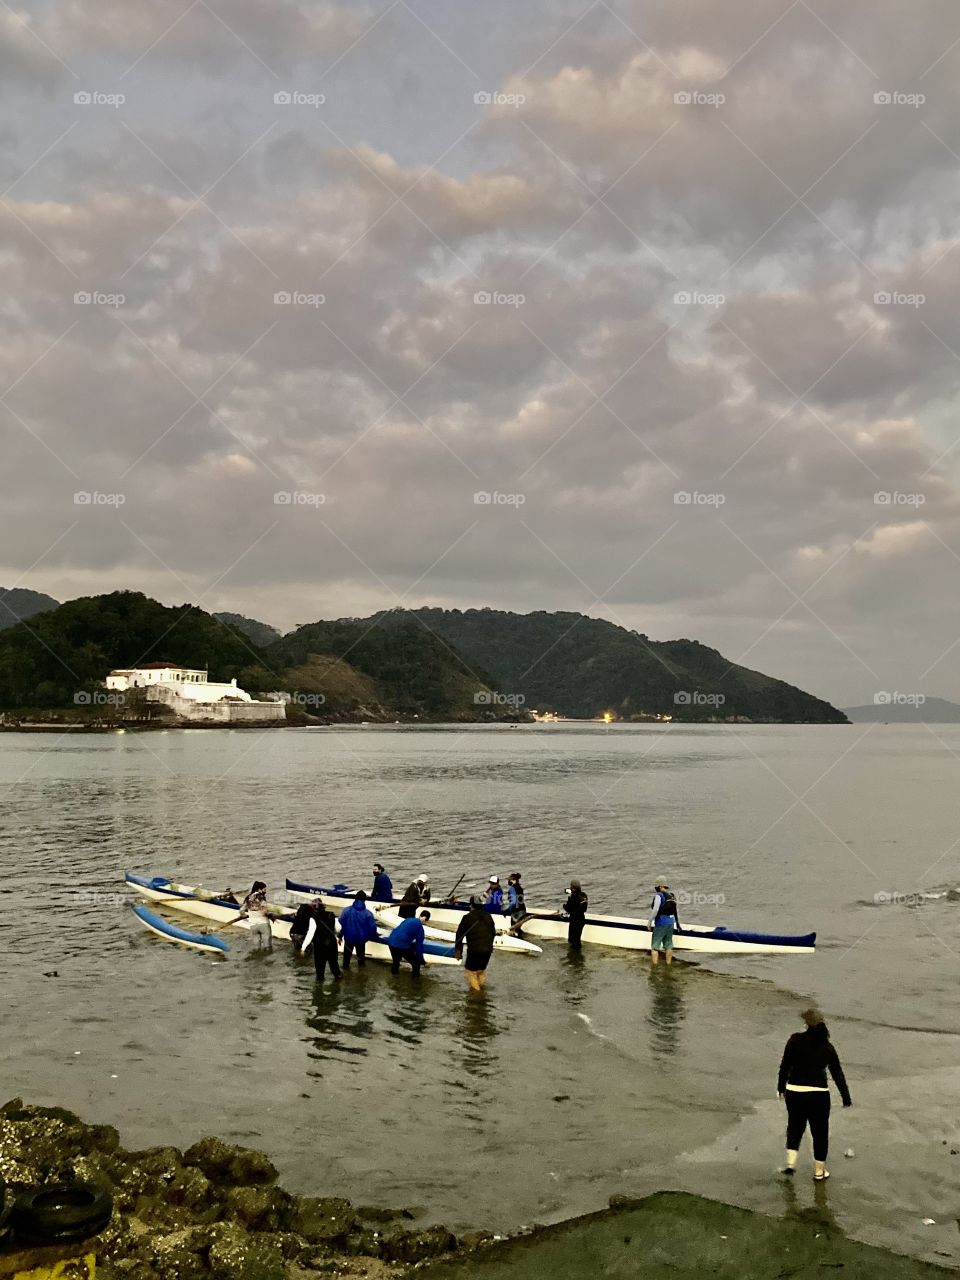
<point x="18" y="602"/>
<point x="582" y="667"/>
<point x="332" y="670"/>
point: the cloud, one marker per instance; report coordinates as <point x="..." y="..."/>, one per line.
<point x="604" y="302"/>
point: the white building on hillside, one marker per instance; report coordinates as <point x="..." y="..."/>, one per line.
<point x="187" y="681"/>
<point x="191" y="696"/>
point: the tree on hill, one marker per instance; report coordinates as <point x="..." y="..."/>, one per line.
<point x="72" y="648"/>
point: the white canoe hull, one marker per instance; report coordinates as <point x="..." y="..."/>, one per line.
<point x="178" y="896"/>
<point x="610" y="931"/>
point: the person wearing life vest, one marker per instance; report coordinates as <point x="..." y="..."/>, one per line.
<point x="663" y="921"/>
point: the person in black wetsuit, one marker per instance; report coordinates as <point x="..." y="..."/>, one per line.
<point x="802" y="1084"/>
<point x="325" y="943"/>
<point x="576" y="908"/>
<point x="478" y="930"/>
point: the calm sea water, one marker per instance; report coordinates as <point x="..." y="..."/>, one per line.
<point x="579" y="1076"/>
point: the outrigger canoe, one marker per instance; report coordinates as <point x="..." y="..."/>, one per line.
<point x="207" y="942"/>
<point x="502" y="942"/>
<point x="196" y="901"/>
<point x="609" y="931"/>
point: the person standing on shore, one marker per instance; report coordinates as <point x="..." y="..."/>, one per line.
<point x="576" y="908"/>
<point x="325" y="943"/>
<point x="254" y="907"/>
<point x="406" y="943"/>
<point x="663" y="921"/>
<point x="478" y="931"/>
<point x="802" y="1084"/>
<point x="382" y="890"/>
<point x="417" y="895"/>
<point x="358" y="926"/>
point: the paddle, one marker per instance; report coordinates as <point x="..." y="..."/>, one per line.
<point x="450" y="896"/>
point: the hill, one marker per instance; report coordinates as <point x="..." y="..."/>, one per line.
<point x="384" y="672"/>
<point x="17" y="603"/>
<point x="582" y="667"/>
<point x="332" y="670"/>
<point x="71" y="649"/>
<point x="261" y="633"/>
<point x="930" y="711"/>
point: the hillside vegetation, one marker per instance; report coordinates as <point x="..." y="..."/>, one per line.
<point x="582" y="667"/>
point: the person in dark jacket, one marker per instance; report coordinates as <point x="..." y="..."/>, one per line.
<point x="516" y="902"/>
<point x="802" y="1084"/>
<point x="325" y="942"/>
<point x="478" y="930"/>
<point x="358" y="926"/>
<point x="416" y="895"/>
<point x="382" y="890"/>
<point x="406" y="943"/>
<point x="302" y="925"/>
<point x="576" y="908"/>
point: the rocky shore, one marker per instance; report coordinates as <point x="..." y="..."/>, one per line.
<point x="214" y="1210"/>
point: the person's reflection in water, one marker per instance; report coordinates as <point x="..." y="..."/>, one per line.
<point x="476" y="1032"/>
<point x="819" y="1214"/>
<point x="409" y="1005"/>
<point x="573" y="971"/>
<point x="667" y="1010"/>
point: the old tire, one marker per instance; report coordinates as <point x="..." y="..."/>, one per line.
<point x="60" y="1213"/>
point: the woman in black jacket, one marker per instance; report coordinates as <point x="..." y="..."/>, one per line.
<point x="802" y="1084"/>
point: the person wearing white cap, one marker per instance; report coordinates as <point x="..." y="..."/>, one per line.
<point x="493" y="898"/>
<point x="417" y="895"/>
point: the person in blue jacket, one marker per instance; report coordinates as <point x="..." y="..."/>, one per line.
<point x="382" y="890"/>
<point x="406" y="943"/>
<point x="359" y="926"/>
<point x="493" y="898"/>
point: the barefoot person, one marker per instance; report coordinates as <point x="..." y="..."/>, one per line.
<point x="802" y="1084"/>
<point x="478" y="930"/>
<point x="663" y="921"/>
<point x="254" y="907"/>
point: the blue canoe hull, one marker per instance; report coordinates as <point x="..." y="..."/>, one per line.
<point x="173" y="933"/>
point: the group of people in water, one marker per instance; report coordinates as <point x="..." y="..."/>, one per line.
<point x="808" y="1058"/>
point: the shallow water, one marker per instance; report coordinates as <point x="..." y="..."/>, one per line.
<point x="580" y="1076"/>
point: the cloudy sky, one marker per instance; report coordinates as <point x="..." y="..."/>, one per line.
<point x="290" y="288"/>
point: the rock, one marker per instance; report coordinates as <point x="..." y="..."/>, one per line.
<point x="193" y="1190"/>
<point x="416" y="1246"/>
<point x="319" y="1220"/>
<point x="364" y="1244"/>
<point x="230" y="1165"/>
<point x="475" y="1239"/>
<point x="182" y="1255"/>
<point x="159" y="1162"/>
<point x="236" y="1255"/>
<point x="373" y="1213"/>
<point x="849" y="1153"/>
<point x="253" y="1207"/>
